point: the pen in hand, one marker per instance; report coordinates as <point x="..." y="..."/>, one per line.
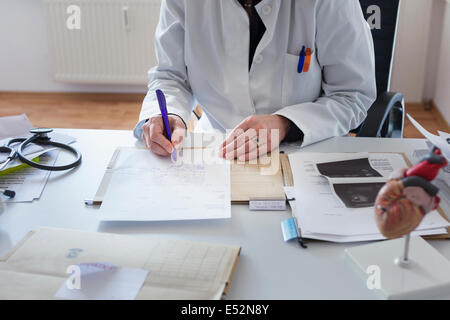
<point x="164" y="114"/>
<point x="165" y="118"/>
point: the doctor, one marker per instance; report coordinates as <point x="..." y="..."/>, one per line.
<point x="302" y="68"/>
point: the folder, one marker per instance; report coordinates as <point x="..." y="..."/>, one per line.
<point x="37" y="267"/>
<point x="263" y="180"/>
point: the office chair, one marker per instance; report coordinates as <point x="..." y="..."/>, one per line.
<point x="385" y="119"/>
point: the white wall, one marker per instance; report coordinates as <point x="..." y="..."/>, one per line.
<point x="25" y="64"/>
<point x="410" y="58"/>
<point x="24" y="58"/>
<point x="442" y="93"/>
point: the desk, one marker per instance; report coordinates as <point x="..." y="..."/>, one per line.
<point x="268" y="268"/>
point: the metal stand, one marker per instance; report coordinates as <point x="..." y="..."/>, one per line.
<point x="404" y="261"/>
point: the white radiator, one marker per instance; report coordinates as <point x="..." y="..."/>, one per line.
<point x="113" y="42"/>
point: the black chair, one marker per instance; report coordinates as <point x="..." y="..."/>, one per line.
<point x="386" y="117"/>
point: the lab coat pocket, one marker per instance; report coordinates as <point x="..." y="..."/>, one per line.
<point x="300" y="87"/>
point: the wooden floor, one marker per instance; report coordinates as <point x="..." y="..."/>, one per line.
<point x="121" y="111"/>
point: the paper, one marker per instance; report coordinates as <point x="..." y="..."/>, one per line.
<point x="145" y="187"/>
<point x="320" y="213"/>
<point x="290" y="193"/>
<point x="442" y="141"/>
<point x="28" y="183"/>
<point x="37" y="268"/>
<point x="102" y="281"/>
<point x="260" y="180"/>
<point x="14" y="126"/>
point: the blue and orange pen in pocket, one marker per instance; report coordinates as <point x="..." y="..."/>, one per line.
<point x="304" y="60"/>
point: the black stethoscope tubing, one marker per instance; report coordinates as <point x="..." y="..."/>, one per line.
<point x="44" y="141"/>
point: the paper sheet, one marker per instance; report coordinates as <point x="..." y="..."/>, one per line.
<point x="145" y="187"/>
<point x="102" y="281"/>
<point x="326" y="215"/>
<point x="442" y="141"/>
<point x="14" y="126"/>
<point x="28" y="183"/>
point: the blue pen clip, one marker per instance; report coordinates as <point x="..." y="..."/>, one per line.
<point x="301" y="60"/>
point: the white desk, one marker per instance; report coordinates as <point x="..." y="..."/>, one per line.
<point x="268" y="268"/>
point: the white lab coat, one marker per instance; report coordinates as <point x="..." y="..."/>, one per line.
<point x="202" y="48"/>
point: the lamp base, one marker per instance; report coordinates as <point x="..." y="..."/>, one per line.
<point x="425" y="275"/>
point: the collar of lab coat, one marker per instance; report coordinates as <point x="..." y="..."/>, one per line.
<point x="269" y="20"/>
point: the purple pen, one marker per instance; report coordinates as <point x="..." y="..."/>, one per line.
<point x="164" y="114"/>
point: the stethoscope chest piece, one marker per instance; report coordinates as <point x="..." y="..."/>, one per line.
<point x="41" y="132"/>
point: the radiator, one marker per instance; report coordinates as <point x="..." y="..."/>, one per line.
<point x="102" y="41"/>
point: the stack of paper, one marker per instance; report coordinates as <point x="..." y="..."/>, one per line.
<point x="28" y="183"/>
<point x="146" y="187"/>
<point x="43" y="263"/>
<point x="324" y="215"/>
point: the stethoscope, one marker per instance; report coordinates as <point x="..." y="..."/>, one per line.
<point x="41" y="138"/>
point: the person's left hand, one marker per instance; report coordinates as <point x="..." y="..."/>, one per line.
<point x="254" y="137"/>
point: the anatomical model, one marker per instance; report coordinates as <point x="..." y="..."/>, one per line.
<point x="408" y="196"/>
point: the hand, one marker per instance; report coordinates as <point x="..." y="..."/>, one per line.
<point x="154" y="138"/>
<point x="255" y="136"/>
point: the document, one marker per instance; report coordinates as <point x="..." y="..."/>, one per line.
<point x="146" y="187"/>
<point x="43" y="260"/>
<point x="102" y="281"/>
<point x="320" y="212"/>
<point x="28" y="183"/>
<point x="442" y="141"/>
<point x="14" y="126"/>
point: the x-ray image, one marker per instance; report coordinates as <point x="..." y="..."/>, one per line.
<point x="357" y="168"/>
<point x="358" y="195"/>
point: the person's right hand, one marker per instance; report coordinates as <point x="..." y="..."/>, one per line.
<point x="154" y="137"/>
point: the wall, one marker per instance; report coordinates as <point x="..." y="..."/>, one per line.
<point x="25" y="64"/>
<point x="24" y="58"/>
<point x="442" y="92"/>
<point x="410" y="60"/>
